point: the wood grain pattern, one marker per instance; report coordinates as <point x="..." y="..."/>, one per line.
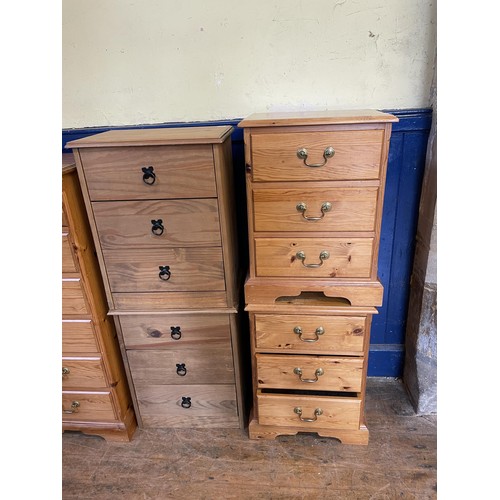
<point x="211" y="406"/>
<point x="73" y="299"/>
<point x="192" y="269"/>
<point x="207" y="364"/>
<point x="181" y="172"/>
<point x="348" y="258"/>
<point x="78" y="336"/>
<point x="128" y="224"/>
<point x="352" y="209"/>
<point x="94" y="405"/>
<point x="172" y="331"/>
<point x="357" y="155"/>
<point x="82" y="372"/>
<point x="68" y="261"/>
<point x="339" y="373"/>
<point x="342" y="334"/>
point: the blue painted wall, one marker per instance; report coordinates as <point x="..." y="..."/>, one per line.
<point x="405" y="171"/>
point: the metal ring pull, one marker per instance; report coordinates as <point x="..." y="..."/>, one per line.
<point x="175" y="332"/>
<point x="149" y="176"/>
<point x="186" y="402"/>
<point x="157" y="227"/>
<point x="74" y="407"/>
<point x="302" y="207"/>
<point x="322" y="257"/>
<point x="65" y="371"/>
<point x="317" y="412"/>
<point x="318" y="373"/>
<point x="164" y="273"/>
<point x="328" y="153"/>
<point x="181" y="369"/>
<point x="319" y="331"/>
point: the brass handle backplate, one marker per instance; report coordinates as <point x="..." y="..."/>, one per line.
<point x="322" y="257"/>
<point x="327" y="153"/>
<point x="317" y="373"/>
<point x="74" y="407"/>
<point x="317" y="412"/>
<point x="302" y="207"/>
<point x="319" y="331"/>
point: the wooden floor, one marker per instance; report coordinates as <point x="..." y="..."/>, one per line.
<point x="399" y="461"/>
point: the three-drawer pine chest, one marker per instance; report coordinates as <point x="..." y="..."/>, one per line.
<point x="95" y="393"/>
<point x="162" y="206"/>
<point x="315" y="190"/>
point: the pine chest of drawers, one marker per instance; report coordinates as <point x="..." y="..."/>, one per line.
<point x="95" y="393"/>
<point x="315" y="189"/>
<point x="162" y="206"/>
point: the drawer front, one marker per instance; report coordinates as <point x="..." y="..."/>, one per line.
<point x="206" y="365"/>
<point x="319" y="373"/>
<point x="68" y="261"/>
<point x="159" y="223"/>
<point x="116" y="173"/>
<point x="183" y="269"/>
<point x="83" y="372"/>
<point x="87" y="405"/>
<point x="306" y="210"/>
<point x="173" y="331"/>
<point x="204" y="406"/>
<point x="73" y="300"/>
<point x="311" y="334"/>
<point x="357" y="155"/>
<point x="314" y="257"/>
<point x="78" y="337"/>
<point x="283" y="410"/>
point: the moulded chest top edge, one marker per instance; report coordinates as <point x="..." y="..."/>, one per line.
<point x="155" y="137"/>
<point x="333" y="117"/>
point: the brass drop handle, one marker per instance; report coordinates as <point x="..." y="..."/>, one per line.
<point x="164" y="273"/>
<point x="74" y="407"/>
<point x="319" y="331"/>
<point x="317" y="412"/>
<point x="302" y="207"/>
<point x="327" y="153"/>
<point x="322" y="257"/>
<point x="65" y="371"/>
<point x="157" y="227"/>
<point x="149" y="176"/>
<point x="318" y="373"/>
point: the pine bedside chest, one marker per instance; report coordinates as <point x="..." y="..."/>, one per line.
<point x="163" y="217"/>
<point x="315" y="189"/>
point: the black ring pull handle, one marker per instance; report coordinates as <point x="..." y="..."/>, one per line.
<point x="181" y="369"/>
<point x="164" y="273"/>
<point x="149" y="176"/>
<point x="186" y="402"/>
<point x="157" y="227"/>
<point x="175" y="332"/>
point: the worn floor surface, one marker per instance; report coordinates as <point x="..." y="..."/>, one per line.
<point x="398" y="463"/>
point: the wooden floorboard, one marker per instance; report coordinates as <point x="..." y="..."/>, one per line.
<point x="399" y="461"/>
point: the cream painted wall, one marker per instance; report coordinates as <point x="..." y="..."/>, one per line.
<point x="129" y="62"/>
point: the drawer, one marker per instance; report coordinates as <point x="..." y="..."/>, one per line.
<point x="87" y="405"/>
<point x="183" y="269"/>
<point x="73" y="299"/>
<point x="78" y="337"/>
<point x="314" y="257"/>
<point x="172" y="331"/>
<point x="305" y="210"/>
<point x="83" y="372"/>
<point x="68" y="261"/>
<point x="358" y="155"/>
<point x="204" y="406"/>
<point x="206" y="365"/>
<point x="293" y="409"/>
<point x="149" y="172"/>
<point x="311" y="334"/>
<point x="158" y="223"/>
<point x="322" y="373"/>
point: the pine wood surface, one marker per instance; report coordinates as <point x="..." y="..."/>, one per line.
<point x="400" y="461"/>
